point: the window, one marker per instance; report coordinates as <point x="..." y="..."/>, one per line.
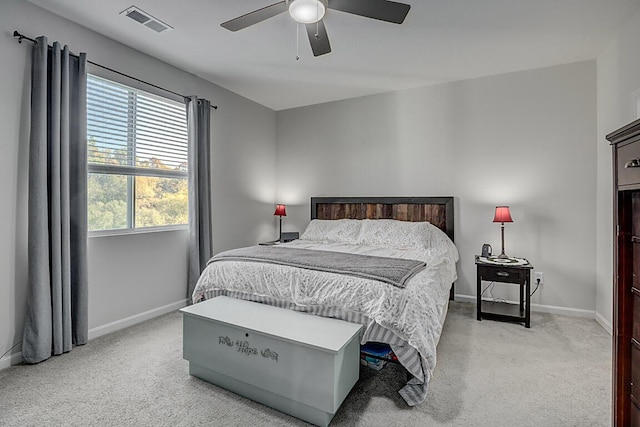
<point x="137" y="158"/>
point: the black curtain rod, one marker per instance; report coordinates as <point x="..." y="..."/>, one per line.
<point x="21" y="37"/>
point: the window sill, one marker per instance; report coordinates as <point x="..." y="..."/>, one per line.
<point x="130" y="231"/>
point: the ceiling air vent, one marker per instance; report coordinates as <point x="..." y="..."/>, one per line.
<point x="146" y="19"/>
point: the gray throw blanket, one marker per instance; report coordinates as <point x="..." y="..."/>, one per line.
<point x="395" y="271"/>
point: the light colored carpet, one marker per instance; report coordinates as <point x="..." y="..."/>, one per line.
<point x="489" y="373"/>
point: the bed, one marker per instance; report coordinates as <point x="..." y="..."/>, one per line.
<point x="408" y="319"/>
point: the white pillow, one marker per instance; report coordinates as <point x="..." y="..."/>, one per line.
<point x="441" y="243"/>
<point x="333" y="231"/>
<point x="391" y="233"/>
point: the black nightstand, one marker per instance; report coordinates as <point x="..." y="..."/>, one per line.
<point x="287" y="236"/>
<point x="505" y="273"/>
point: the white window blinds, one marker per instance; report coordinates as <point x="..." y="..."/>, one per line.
<point x="131" y="132"/>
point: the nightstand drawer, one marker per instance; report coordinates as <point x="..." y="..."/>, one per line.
<point x="497" y="274"/>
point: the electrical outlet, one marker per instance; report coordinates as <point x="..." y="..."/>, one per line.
<point x="539" y="276"/>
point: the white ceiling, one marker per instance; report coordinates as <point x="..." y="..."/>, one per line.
<point x="440" y="40"/>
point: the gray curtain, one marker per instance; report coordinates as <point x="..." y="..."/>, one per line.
<point x="56" y="315"/>
<point x="200" y="239"/>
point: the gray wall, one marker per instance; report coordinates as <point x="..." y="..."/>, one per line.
<point x="525" y="139"/>
<point x="618" y="81"/>
<point x="131" y="274"/>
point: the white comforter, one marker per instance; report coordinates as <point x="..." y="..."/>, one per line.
<point x="413" y="314"/>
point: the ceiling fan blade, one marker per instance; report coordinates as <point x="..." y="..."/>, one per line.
<point x="318" y="39"/>
<point x="254" y="17"/>
<point x="382" y="10"/>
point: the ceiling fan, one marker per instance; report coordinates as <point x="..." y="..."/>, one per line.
<point x="311" y="12"/>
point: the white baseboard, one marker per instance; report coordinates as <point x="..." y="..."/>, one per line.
<point x="10" y="360"/>
<point x="16" y="358"/>
<point x="604" y="323"/>
<point x="99" y="331"/>
<point x="553" y="309"/>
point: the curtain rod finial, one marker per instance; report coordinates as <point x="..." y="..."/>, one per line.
<point x="21" y="37"/>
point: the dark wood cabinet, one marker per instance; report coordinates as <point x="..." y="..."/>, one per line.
<point x="626" y="278"/>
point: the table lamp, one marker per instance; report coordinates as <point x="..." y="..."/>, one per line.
<point x="502" y="215"/>
<point x="281" y="210"/>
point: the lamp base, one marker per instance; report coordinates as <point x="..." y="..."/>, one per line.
<point x="502" y="254"/>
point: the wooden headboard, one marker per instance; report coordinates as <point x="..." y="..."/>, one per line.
<point x="437" y="210"/>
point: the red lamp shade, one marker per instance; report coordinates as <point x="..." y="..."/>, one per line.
<point x="281" y="210"/>
<point x="502" y="214"/>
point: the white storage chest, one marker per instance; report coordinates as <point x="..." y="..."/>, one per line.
<point x="297" y="363"/>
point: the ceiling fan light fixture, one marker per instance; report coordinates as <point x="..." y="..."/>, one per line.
<point x="307" y="11"/>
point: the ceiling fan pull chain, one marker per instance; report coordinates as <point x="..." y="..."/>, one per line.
<point x="297" y="41"/>
<point x="317" y="14"/>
